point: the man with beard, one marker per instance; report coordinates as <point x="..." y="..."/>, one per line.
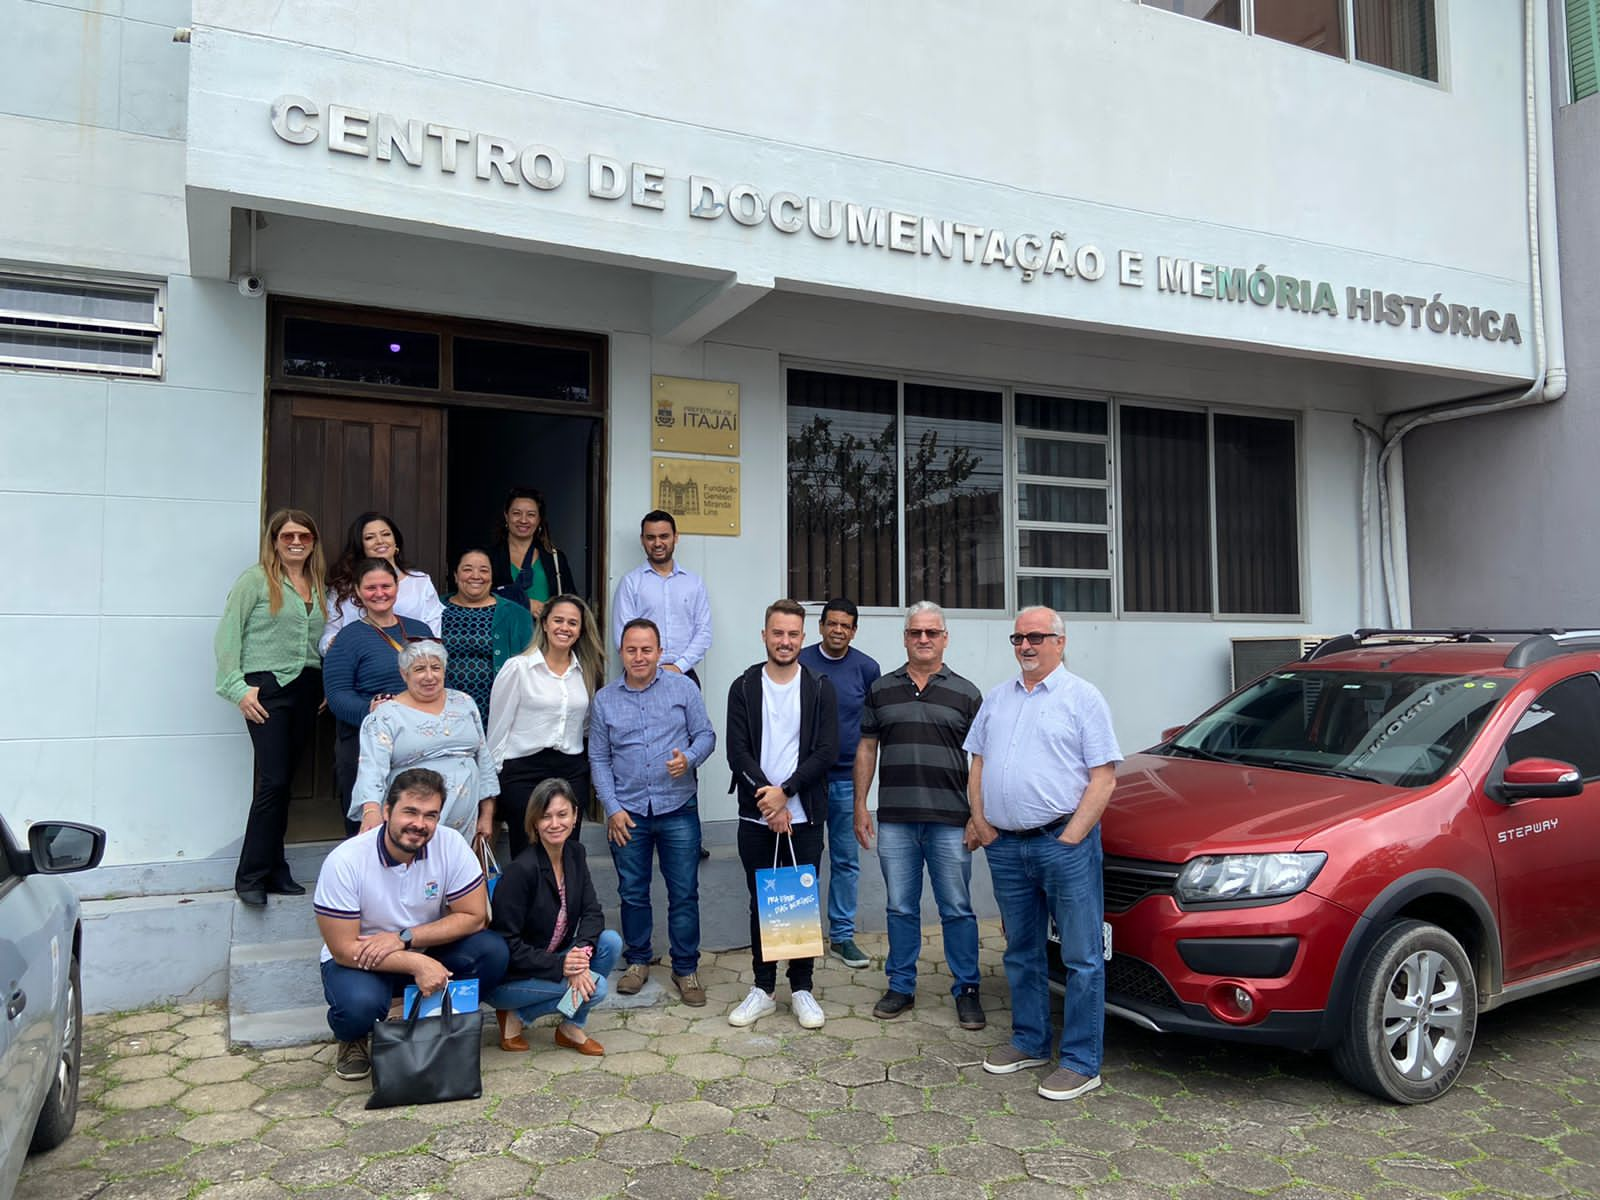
<point x="783" y="735"/>
<point x="403" y="903"/>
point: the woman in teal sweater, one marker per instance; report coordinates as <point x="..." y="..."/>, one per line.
<point x="481" y="630"/>
<point x="267" y="664"/>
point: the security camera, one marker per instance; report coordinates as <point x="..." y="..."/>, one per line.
<point x="251" y="285"/>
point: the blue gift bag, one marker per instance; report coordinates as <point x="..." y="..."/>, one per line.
<point x="463" y="999"/>
<point x="789" y="909"/>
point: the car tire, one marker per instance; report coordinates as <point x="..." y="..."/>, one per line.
<point x="61" y="1105"/>
<point x="1413" y="1016"/>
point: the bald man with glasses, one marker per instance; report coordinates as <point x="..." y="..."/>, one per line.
<point x="912" y="727"/>
<point x="1044" y="759"/>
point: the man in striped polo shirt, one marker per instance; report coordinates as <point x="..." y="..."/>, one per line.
<point x="916" y="719"/>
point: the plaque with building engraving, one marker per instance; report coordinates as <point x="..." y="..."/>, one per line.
<point x="701" y="495"/>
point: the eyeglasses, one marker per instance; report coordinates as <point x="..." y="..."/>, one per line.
<point x="289" y="535"/>
<point x="919" y="635"/>
<point x="1033" y="639"/>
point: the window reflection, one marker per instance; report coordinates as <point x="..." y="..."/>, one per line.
<point x="954" y="476"/>
<point x="1216" y="12"/>
<point x="1310" y="24"/>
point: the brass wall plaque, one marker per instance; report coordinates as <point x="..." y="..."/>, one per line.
<point x="703" y="497"/>
<point x="694" y="416"/>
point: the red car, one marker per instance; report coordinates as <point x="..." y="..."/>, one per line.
<point x="1363" y="850"/>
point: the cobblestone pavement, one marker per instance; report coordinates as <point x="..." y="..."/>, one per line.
<point x="683" y="1105"/>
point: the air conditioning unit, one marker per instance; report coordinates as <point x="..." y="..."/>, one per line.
<point x="1255" y="656"/>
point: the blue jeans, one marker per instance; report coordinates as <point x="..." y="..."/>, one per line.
<point x="844" y="860"/>
<point x="359" y="999"/>
<point x="903" y="849"/>
<point x="1036" y="878"/>
<point x="675" y="838"/>
<point x="533" y="998"/>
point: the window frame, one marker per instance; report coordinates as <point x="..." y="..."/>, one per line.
<point x="1247" y="28"/>
<point x="1008" y="389"/>
<point x="152" y="333"/>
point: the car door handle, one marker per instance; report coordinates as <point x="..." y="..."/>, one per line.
<point x="15" y="1003"/>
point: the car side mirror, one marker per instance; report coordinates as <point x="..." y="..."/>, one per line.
<point x="61" y="847"/>
<point x="1172" y="731"/>
<point x="1528" y="778"/>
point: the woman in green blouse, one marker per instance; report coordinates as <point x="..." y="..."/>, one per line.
<point x="267" y="664"/>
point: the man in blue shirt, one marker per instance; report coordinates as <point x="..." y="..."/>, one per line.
<point x="674" y="599"/>
<point x="1044" y="761"/>
<point x="852" y="674"/>
<point x="648" y="733"/>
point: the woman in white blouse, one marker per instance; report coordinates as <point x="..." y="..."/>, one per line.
<point x="373" y="535"/>
<point x="539" y="711"/>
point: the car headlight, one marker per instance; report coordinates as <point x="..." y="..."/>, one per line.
<point x="1218" y="877"/>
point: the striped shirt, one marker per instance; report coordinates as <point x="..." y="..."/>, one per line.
<point x="922" y="769"/>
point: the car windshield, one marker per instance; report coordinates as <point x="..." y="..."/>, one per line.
<point x="1381" y="726"/>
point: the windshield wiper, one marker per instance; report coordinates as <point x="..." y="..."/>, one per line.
<point x="1196" y="752"/>
<point x="1310" y="768"/>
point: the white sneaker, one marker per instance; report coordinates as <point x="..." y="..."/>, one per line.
<point x="753" y="1007"/>
<point x="806" y="1010"/>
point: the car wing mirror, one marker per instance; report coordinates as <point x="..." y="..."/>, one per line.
<point x="1528" y="778"/>
<point x="61" y="847"/>
<point x="1172" y="731"/>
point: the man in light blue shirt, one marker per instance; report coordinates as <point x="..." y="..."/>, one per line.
<point x="648" y="733"/>
<point x="674" y="599"/>
<point x="1044" y="761"/>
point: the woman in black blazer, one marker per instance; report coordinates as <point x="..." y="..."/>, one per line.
<point x="546" y="909"/>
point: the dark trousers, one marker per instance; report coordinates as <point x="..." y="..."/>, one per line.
<point x="346" y="763"/>
<point x="358" y="999"/>
<point x="757" y="847"/>
<point x="518" y="778"/>
<point x="279" y="741"/>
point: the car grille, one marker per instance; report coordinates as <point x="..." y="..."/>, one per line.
<point x="1134" y="979"/>
<point x="1130" y="880"/>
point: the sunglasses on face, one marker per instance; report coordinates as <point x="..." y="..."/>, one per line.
<point x="289" y="536"/>
<point x="917" y="635"/>
<point x="1033" y="639"/>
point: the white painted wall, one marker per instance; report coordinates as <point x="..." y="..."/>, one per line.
<point x="130" y="506"/>
<point x="1123" y="126"/>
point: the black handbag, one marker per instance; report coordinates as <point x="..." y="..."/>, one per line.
<point x="427" y="1061"/>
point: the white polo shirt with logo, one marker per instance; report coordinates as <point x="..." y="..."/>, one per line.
<point x="361" y="881"/>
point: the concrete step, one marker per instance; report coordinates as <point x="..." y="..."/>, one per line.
<point x="266" y="976"/>
<point x="285" y="918"/>
<point x="281" y="1027"/>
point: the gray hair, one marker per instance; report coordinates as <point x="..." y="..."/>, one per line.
<point x="415" y="652"/>
<point x="925" y="606"/>
<point x="1057" y="625"/>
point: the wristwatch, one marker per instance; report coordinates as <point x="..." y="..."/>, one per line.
<point x="405" y="938"/>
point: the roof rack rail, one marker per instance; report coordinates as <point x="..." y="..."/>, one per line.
<point x="1352" y="641"/>
<point x="1542" y="646"/>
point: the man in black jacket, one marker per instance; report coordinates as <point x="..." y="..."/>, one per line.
<point x="783" y="735"/>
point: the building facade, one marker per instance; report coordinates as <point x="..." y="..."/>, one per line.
<point x="1081" y="303"/>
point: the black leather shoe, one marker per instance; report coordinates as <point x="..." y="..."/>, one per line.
<point x="969" y="1010"/>
<point x="892" y="1004"/>
<point x="255" y="897"/>
<point x="287" y="888"/>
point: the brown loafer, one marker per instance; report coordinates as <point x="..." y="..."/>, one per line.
<point x="588" y="1046"/>
<point x="516" y="1043"/>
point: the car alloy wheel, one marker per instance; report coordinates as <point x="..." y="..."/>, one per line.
<point x="61" y="1105"/>
<point x="1414" y="1015"/>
